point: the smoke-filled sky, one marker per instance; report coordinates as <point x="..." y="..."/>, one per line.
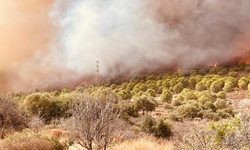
<point x="47" y="44"/>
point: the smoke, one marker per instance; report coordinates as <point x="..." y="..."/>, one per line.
<point x="54" y="43"/>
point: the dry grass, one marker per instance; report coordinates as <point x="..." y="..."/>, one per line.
<point x="144" y="143"/>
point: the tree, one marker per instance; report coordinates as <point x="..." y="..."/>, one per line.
<point x="95" y="118"/>
<point x="145" y="103"/>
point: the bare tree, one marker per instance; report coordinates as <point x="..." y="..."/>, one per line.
<point x="95" y="119"/>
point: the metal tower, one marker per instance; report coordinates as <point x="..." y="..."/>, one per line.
<point x="97" y="72"/>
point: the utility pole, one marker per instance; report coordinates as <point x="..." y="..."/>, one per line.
<point x="97" y="72"/>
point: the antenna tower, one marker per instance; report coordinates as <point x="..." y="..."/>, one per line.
<point x="97" y="72"/>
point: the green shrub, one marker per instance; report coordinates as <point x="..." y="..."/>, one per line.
<point x="176" y="102"/>
<point x="209" y="105"/>
<point x="215" y="87"/>
<point x="166" y="96"/>
<point x="113" y="86"/>
<point x="193" y="72"/>
<point x="228" y="86"/>
<point x="209" y="114"/>
<point x="220" y="104"/>
<point x="247" y="69"/>
<point x="42" y="104"/>
<point x="184" y="82"/>
<point x="202" y="72"/>
<point x="242" y="85"/>
<point x="145" y="103"/>
<point x="192" y="82"/>
<point x="221" y="95"/>
<point x="162" y="128"/>
<point x="147" y="124"/>
<point x="166" y="83"/>
<point x="206" y="96"/>
<point x="168" y="106"/>
<point x="200" y="86"/>
<point x="233" y="74"/>
<point x="151" y="92"/>
<point x="188" y="94"/>
<point x="125" y="94"/>
<point x="124" y="85"/>
<point x="178" y="88"/>
<point x="188" y="110"/>
<point x="159" y="91"/>
<point x="130" y="86"/>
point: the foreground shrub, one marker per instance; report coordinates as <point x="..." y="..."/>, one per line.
<point x="11" y="116"/>
<point x="178" y="88"/>
<point x="27" y="140"/>
<point x="162" y="128"/>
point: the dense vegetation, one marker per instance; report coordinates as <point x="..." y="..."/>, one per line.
<point x="185" y="95"/>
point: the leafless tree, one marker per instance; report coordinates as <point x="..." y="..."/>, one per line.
<point x="95" y="118"/>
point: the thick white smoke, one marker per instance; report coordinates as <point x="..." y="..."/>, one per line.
<point x="126" y="36"/>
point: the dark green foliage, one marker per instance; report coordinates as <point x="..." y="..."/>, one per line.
<point x="221" y="95"/>
<point x="162" y="128"/>
<point x="233" y="74"/>
<point x="113" y="86"/>
<point x="166" y="96"/>
<point x="188" y="110"/>
<point x="215" y="87"/>
<point x="125" y="94"/>
<point x="151" y="92"/>
<point x="220" y="104"/>
<point x="178" y="88"/>
<point x="145" y="103"/>
<point x="168" y="106"/>
<point x="192" y="82"/>
<point x="200" y="86"/>
<point x="147" y="124"/>
<point x="206" y="96"/>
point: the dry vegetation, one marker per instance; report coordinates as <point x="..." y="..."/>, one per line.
<point x="204" y="108"/>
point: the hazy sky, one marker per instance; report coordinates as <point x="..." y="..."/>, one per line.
<point x="53" y="43"/>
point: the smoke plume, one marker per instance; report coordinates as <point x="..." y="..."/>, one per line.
<point x="54" y="43"/>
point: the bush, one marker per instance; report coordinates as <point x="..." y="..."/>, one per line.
<point x="151" y="92"/>
<point x="43" y="105"/>
<point x="124" y="85"/>
<point x="192" y="82"/>
<point x="221" y="95"/>
<point x="125" y="94"/>
<point x="145" y="103"/>
<point x="247" y="69"/>
<point x="206" y="96"/>
<point x="228" y="86"/>
<point x="28" y="140"/>
<point x="188" y="110"/>
<point x="215" y="87"/>
<point x="11" y="116"/>
<point x="113" y="86"/>
<point x="162" y="128"/>
<point x="200" y="86"/>
<point x="188" y="94"/>
<point x="202" y="72"/>
<point x="176" y="102"/>
<point x="168" y="106"/>
<point x="242" y="85"/>
<point x="209" y="106"/>
<point x="220" y="104"/>
<point x="233" y="74"/>
<point x="147" y="124"/>
<point x="178" y="88"/>
<point x="166" y="96"/>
